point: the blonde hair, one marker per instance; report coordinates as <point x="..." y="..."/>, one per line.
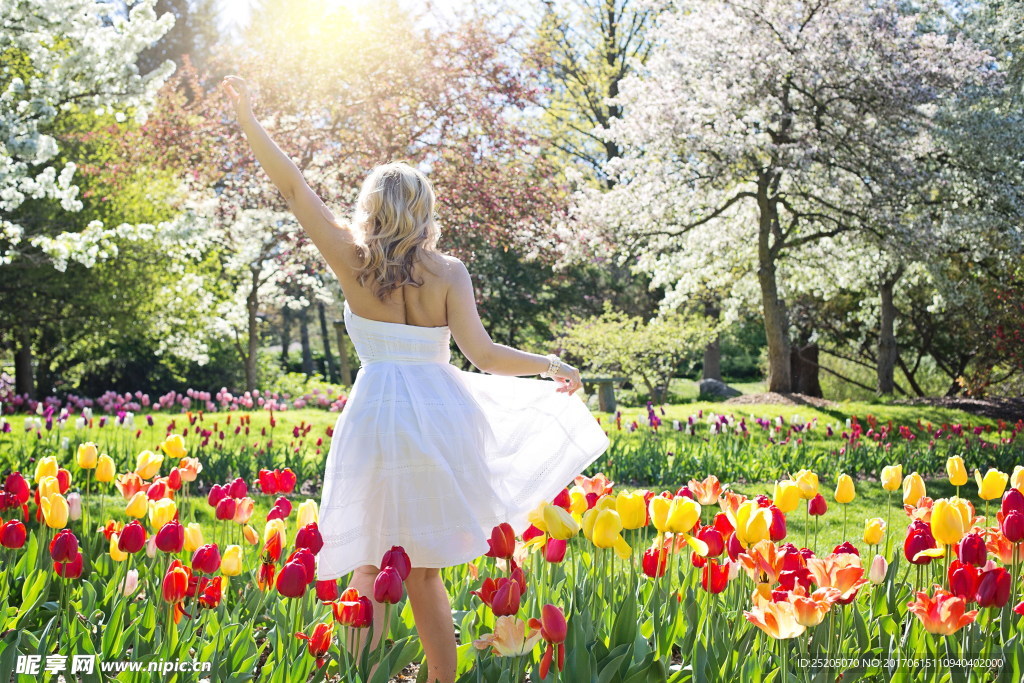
<point x="394" y="215"/>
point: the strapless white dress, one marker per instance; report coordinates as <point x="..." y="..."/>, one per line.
<point x="430" y="457"/>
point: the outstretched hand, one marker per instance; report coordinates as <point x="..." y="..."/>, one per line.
<point x="238" y="92"/>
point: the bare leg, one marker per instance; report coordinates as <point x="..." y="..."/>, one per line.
<point x="362" y="580"/>
<point x="432" y="611"/>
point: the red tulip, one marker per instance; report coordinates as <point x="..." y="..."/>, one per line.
<point x="715" y="577"/>
<point x="309" y="537"/>
<point x="972" y="550"/>
<point x="399" y="559"/>
<point x="327" y="590"/>
<point x="554" y="550"/>
<point x="817" y="506"/>
<point x="12" y="534"/>
<point x="1013" y="526"/>
<point x="502" y="542"/>
<point x="994" y="587"/>
<point x="69" y="570"/>
<point x="171" y="537"/>
<point x="387" y="587"/>
<point x="176" y="580"/>
<point x="132" y="538"/>
<point x="206" y="559"/>
<point x="292" y="580"/>
<point x="64" y="546"/>
<point x="286" y="480"/>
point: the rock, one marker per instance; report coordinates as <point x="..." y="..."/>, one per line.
<point x="715" y="390"/>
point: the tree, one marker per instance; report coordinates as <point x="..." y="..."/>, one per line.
<point x="762" y="127"/>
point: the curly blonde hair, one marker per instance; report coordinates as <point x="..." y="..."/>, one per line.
<point x="394" y="216"/>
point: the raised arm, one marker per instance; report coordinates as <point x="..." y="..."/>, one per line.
<point x="483" y="352"/>
<point x="331" y="238"/>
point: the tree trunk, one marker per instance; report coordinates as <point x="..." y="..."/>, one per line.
<point x="24" y="382"/>
<point x="329" y="370"/>
<point x="253" y="345"/>
<point x="307" y="351"/>
<point x="887" y="351"/>
<point x="286" y="335"/>
<point x="712" y="366"/>
<point x="776" y="326"/>
<point x="804" y="368"/>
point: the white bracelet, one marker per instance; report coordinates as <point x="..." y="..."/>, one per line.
<point x="554" y="365"/>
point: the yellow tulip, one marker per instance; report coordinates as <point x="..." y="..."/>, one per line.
<point x="560" y="524"/>
<point x="138" y="505"/>
<point x="275" y="526"/>
<point x="947" y="522"/>
<point x="874" y="529"/>
<point x="892" y="477"/>
<point x="116" y="554"/>
<point x="147" y="464"/>
<point x="48" y="485"/>
<point x="913" y="489"/>
<point x="1017" y="478"/>
<point x="194" y="537"/>
<point x="845" y="491"/>
<point x="161" y="512"/>
<point x="105" y="469"/>
<point x="55" y="510"/>
<point x="174" y="447"/>
<point x="992" y="485"/>
<point x="787" y="495"/>
<point x="808" y="483"/>
<point x="87" y="455"/>
<point x="46" y="467"/>
<point x="956" y="470"/>
<point x="632" y="509"/>
<point x="231" y="561"/>
<point x="308" y="513"/>
<point x="683" y="514"/>
<point x="752" y="523"/>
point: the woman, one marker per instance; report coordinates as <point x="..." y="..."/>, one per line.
<point x="424" y="455"/>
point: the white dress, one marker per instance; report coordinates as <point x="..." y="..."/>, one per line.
<point x="430" y="457"/>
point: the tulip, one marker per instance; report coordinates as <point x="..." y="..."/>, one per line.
<point x="632" y="510"/>
<point x="64" y="546"/>
<point x="817" y="506"/>
<point x="913" y="489"/>
<point x="87" y="455"/>
<point x="559" y="522"/>
<point x="845" y="491"/>
<point x="892" y="477"/>
<point x="308" y="513"/>
<point x="206" y="559"/>
<point x="138" y="505"/>
<point x="787" y="495"/>
<point x="808" y="483"/>
<point x="231" y="561"/>
<point x="132" y="538"/>
<point x="878" y="569"/>
<point x="175" y="584"/>
<point x="170" y="538"/>
<point x="387" y="587"/>
<point x="397" y="557"/>
<point x="502" y="542"/>
<point x="292" y="580"/>
<point x="105" y="469"/>
<point x="943" y="614"/>
<point x="972" y="550"/>
<point x="994" y="588"/>
<point x="992" y="485"/>
<point x="193" y="537"/>
<point x="874" y="529"/>
<point x="13" y="534"/>
<point x="947" y="522"/>
<point x="46" y="467"/>
<point x="55" y="510"/>
<point x="956" y="470"/>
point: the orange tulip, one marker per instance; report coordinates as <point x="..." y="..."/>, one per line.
<point x="943" y="614"/>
